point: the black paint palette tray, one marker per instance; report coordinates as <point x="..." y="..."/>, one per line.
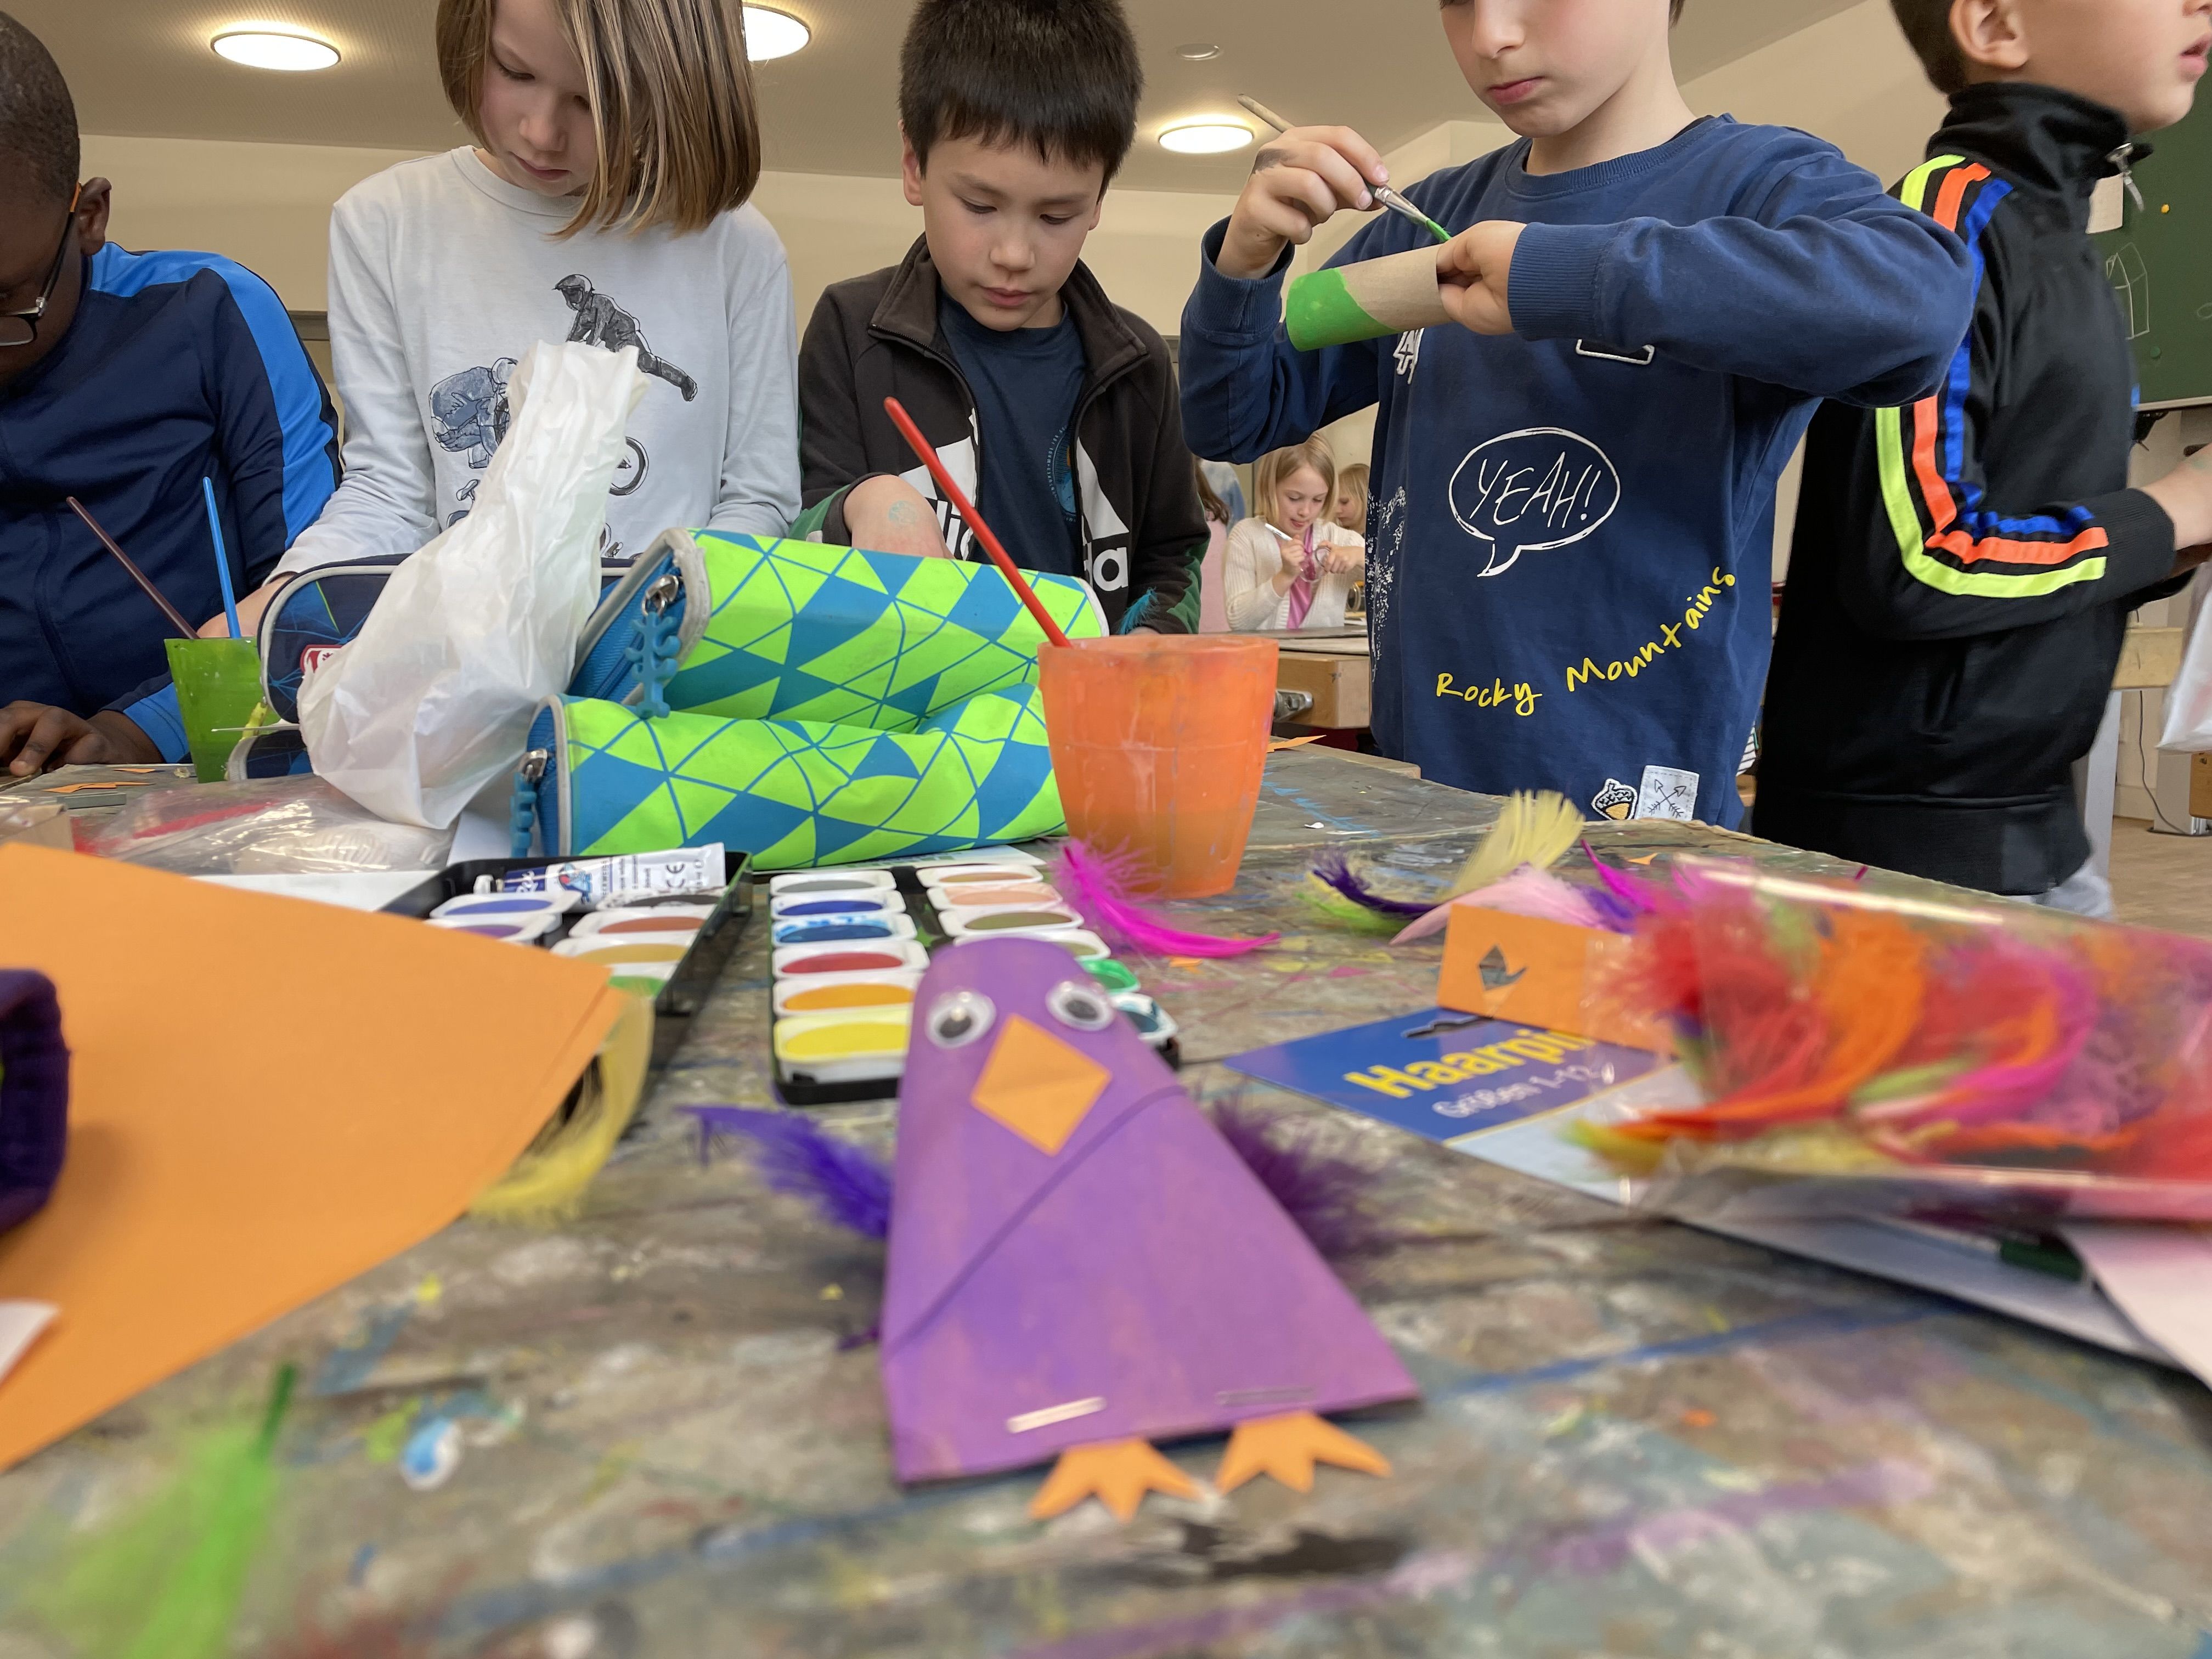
<point x="848" y="949"/>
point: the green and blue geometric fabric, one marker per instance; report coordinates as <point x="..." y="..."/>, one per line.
<point x="775" y="629"/>
<point x="794" y="793"/>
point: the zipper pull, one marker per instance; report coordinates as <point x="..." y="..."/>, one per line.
<point x="522" y="811"/>
<point x="664" y="592"/>
<point x="2123" y="159"/>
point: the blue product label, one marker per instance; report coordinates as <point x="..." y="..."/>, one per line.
<point x="1445" y="1075"/>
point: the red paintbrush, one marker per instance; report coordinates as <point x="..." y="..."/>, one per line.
<point x="958" y="497"/>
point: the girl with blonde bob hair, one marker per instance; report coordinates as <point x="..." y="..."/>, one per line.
<point x="603" y="202"/>
<point x="1291" y="568"/>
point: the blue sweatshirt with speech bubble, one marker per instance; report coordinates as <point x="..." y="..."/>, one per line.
<point x="1570" y="528"/>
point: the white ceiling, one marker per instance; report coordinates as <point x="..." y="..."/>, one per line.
<point x="141" y="68"/>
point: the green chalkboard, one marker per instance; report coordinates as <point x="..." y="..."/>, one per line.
<point x="2160" y="263"/>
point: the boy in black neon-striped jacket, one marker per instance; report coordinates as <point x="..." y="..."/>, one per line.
<point x="1964" y="568"/>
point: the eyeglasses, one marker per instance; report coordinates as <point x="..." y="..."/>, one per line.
<point x="20" y="328"/>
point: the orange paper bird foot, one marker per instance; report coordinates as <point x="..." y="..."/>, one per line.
<point x="1288" y="1447"/>
<point x="1117" y="1474"/>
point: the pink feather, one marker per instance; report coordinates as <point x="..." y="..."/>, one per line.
<point x="1528" y="891"/>
<point x="1098" y="889"/>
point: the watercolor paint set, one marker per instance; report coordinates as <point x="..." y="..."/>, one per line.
<point x="848" y="948"/>
<point x="664" y="925"/>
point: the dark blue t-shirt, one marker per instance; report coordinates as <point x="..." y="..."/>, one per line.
<point x="1026" y="381"/>
<point x="1573" y="527"/>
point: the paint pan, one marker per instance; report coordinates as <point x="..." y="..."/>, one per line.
<point x="1082" y="945"/>
<point x="506" y="907"/>
<point x="622" y="953"/>
<point x="671" y="920"/>
<point x="1152" y="1021"/>
<point x="834" y="930"/>
<point x="1003" y="897"/>
<point x="831" y="993"/>
<point x="1017" y="923"/>
<point x="798" y="907"/>
<point x="508" y="930"/>
<point x="1112" y="977"/>
<point x="827" y="1049"/>
<point x="981" y="875"/>
<point x="818" y="882"/>
<point x="811" y="961"/>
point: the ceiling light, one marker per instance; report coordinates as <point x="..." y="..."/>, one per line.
<point x="771" y="33"/>
<point x="271" y="49"/>
<point x="1198" y="52"/>
<point x="1206" y="137"/>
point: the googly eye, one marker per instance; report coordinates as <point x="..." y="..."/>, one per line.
<point x="957" y="1020"/>
<point x="1079" y="1006"/>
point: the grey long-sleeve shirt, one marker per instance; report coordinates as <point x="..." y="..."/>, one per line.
<point x="443" y="276"/>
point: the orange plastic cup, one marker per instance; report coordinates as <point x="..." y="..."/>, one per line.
<point x="1158" y="744"/>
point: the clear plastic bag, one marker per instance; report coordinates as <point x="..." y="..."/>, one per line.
<point x="277" y="827"/>
<point x="433" y="701"/>
<point x="1855" y="1052"/>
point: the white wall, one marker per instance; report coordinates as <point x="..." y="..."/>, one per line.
<point x="1850" y="79"/>
<point x="268" y="206"/>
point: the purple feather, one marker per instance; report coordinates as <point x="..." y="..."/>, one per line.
<point x="1336" y="871"/>
<point x="844" y="1184"/>
<point x="1320" y="1193"/>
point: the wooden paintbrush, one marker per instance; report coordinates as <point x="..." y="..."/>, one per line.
<point x="175" y="616"/>
<point x="1383" y="193"/>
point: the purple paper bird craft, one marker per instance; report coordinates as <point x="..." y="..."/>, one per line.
<point x="1079" y="1265"/>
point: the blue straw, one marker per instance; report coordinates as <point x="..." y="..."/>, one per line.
<point x="221" y="559"/>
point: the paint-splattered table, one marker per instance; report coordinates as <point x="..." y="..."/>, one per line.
<point x="1636" y="1440"/>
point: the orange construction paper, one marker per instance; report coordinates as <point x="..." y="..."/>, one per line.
<point x="267" y="1098"/>
<point x="1288" y="1447"/>
<point x="1534" y="973"/>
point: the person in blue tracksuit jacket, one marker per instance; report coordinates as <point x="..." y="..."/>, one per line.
<point x="125" y="379"/>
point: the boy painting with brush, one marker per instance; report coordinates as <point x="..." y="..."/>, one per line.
<point x="1054" y="407"/>
<point x="1964" y="568"/>
<point x="1573" y="491"/>
<point x="126" y="379"/>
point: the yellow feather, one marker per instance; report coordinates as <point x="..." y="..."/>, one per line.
<point x="547" y="1181"/>
<point x="1533" y="828"/>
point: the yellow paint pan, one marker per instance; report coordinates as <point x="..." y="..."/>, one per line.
<point x="609" y="953"/>
<point x="828" y="1047"/>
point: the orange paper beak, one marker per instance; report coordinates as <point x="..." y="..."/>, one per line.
<point x="1039" y="1086"/>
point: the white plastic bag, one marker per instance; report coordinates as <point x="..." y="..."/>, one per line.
<point x="2189" y="699"/>
<point x="433" y="701"/>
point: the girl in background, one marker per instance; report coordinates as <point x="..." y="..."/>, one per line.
<point x="1212" y="600"/>
<point x="1352" y="500"/>
<point x="1291" y="568"/>
<point x="603" y="201"/>
<point x="1352" y="514"/>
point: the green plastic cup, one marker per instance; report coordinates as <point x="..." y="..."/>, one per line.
<point x="219" y="694"/>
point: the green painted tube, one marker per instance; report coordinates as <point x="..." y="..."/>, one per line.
<point x="1321" y="312"/>
<point x="1365" y="301"/>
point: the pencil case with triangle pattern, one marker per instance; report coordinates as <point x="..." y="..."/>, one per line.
<point x="600" y="778"/>
<point x="758" y="627"/>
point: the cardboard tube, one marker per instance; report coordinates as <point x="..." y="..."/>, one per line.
<point x="1365" y="301"/>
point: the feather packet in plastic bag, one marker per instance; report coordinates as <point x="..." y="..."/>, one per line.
<point x="1856" y="1051"/>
